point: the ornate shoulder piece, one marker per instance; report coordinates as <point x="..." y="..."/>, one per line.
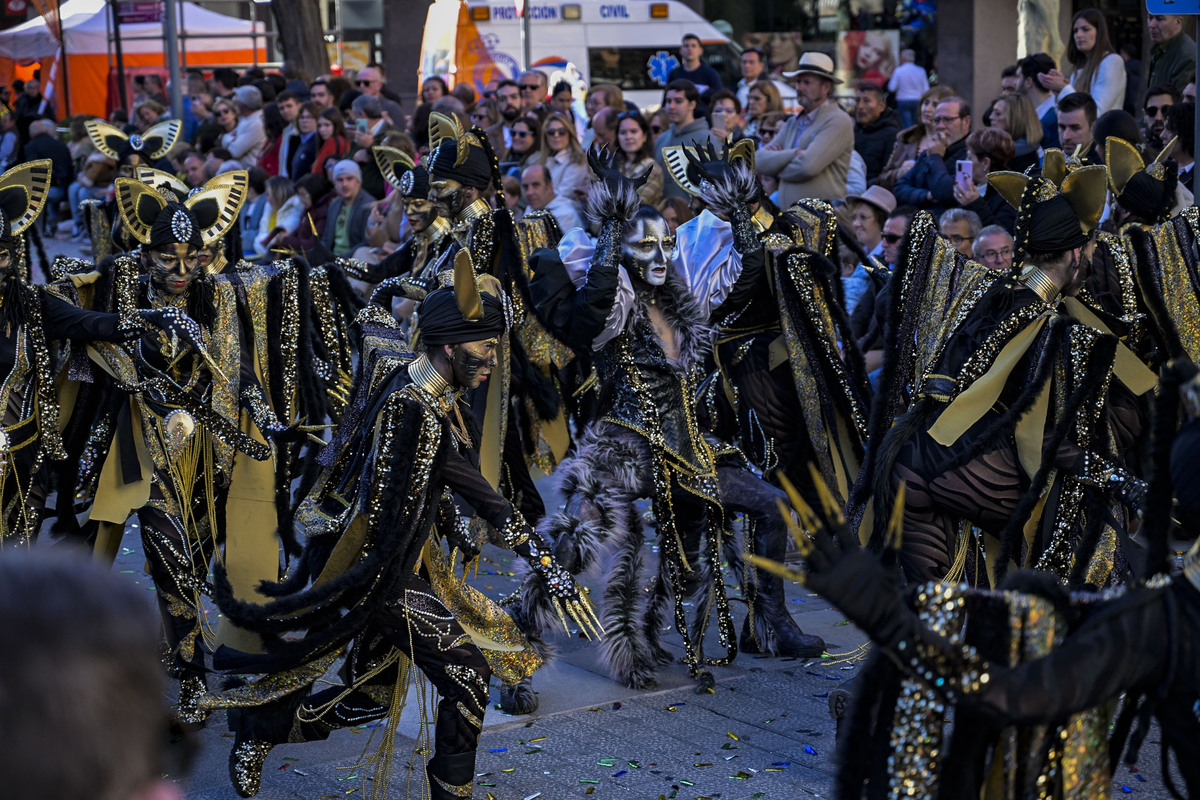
<point x="1054" y="166"/>
<point x="442" y="128"/>
<point x="1010" y="185"/>
<point x="108" y="139"/>
<point x="675" y="157"/>
<point x="216" y="206"/>
<point x="23" y="192"/>
<point x="743" y="150"/>
<point x="466" y="288"/>
<point x="163" y="182"/>
<point x="1123" y="160"/>
<point x="393" y="164"/>
<point x="1085" y="190"/>
<point x="160" y="138"/>
<point x="139" y="206"/>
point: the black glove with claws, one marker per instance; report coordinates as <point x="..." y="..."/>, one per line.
<point x="174" y="322"/>
<point x="612" y="196"/>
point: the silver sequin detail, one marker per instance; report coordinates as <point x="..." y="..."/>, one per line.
<point x="181" y="225"/>
<point x="136" y="142"/>
<point x="406" y="183"/>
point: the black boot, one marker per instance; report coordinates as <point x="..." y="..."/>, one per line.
<point x="778" y="633"/>
<point x="451" y="777"/>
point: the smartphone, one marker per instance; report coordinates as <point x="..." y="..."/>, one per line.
<point x="964" y="172"/>
<point x="361" y="125"/>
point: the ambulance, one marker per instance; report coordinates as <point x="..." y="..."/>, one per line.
<point x="631" y="43"/>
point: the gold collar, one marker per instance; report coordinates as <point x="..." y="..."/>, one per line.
<point x="762" y="220"/>
<point x="476" y="209"/>
<point x="436" y="230"/>
<point x="428" y="378"/>
<point x="1042" y="286"/>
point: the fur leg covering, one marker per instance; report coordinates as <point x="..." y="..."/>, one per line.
<point x="625" y="651"/>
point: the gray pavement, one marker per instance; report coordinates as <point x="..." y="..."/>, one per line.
<point x="764" y="732"/>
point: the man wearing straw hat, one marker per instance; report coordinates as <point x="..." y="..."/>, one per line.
<point x="810" y="155"/>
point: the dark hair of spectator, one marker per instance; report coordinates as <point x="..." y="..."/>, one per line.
<point x="1076" y="101"/>
<point x="993" y="144"/>
<point x="1181" y="118"/>
<point x="690" y="93"/>
<point x="258" y="179"/>
<point x="1160" y="89"/>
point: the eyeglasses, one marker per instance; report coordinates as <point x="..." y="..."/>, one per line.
<point x="991" y="255"/>
<point x="529" y="87"/>
<point x="766" y="133"/>
<point x="556" y="131"/>
<point x="365" y="81"/>
<point x="956" y="240"/>
<point x="946" y="120"/>
<point x="892" y="238"/>
<point x="223" y="111"/>
<point x="522" y="134"/>
<point x="1154" y="111"/>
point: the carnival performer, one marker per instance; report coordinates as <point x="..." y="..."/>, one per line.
<point x="162" y="443"/>
<point x="771" y="295"/>
<point x="129" y="151"/>
<point x="780" y="323"/>
<point x="373" y="568"/>
<point x="1021" y="400"/>
<point x="522" y="406"/>
<point x="32" y="320"/>
<point x="427" y="228"/>
<point x="1033" y="681"/>
<point x="624" y="299"/>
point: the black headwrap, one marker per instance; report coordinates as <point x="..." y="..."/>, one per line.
<point x="1148" y="197"/>
<point x="1051" y="227"/>
<point x="475" y="171"/>
<point x="442" y="322"/>
<point x="174" y="224"/>
<point x="414" y="184"/>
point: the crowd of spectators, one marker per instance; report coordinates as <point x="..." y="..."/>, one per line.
<point x="881" y="148"/>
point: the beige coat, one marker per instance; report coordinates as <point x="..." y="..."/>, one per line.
<point x="814" y="163"/>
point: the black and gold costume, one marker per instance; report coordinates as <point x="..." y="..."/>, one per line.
<point x="372" y="579"/>
<point x="1019" y="403"/>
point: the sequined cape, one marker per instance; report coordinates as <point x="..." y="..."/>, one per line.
<point x="1031" y="685"/>
<point x="784" y="307"/>
<point x="387" y="485"/>
<point x="1168" y="280"/>
<point x="965" y="345"/>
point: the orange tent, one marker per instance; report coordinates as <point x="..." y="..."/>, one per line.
<point x="211" y="39"/>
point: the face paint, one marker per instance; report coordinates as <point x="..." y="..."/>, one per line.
<point x="420" y="213"/>
<point x="473" y="362"/>
<point x="129" y="168"/>
<point x="447" y="196"/>
<point x="173" y="267"/>
<point x="212" y="257"/>
<point x="8" y="258"/>
<point x="646" y="250"/>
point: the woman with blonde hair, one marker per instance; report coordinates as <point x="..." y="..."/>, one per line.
<point x="282" y="215"/>
<point x="763" y="98"/>
<point x="914" y="140"/>
<point x="1015" y="115"/>
<point x="564" y="157"/>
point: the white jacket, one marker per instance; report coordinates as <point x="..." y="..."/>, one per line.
<point x="288" y="217"/>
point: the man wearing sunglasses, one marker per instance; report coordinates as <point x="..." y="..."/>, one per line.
<point x="532" y="85"/>
<point x="1158" y="99"/>
<point x="370" y="83"/>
